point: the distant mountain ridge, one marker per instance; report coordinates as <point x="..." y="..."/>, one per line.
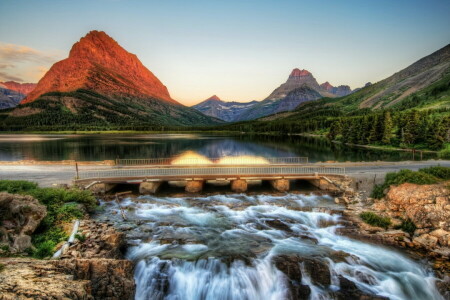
<point x="22" y="88"/>
<point x="100" y="84"/>
<point x="301" y="86"/>
<point x="9" y="98"/>
<point x="228" y="111"/>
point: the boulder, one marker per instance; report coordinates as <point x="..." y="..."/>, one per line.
<point x="20" y="217"/>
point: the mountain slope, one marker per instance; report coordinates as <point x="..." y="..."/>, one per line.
<point x="227" y="111"/>
<point x="101" y="84"/>
<point x="289" y="102"/>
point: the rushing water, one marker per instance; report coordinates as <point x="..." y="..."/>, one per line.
<point x="224" y="247"/>
<point x="112" y="146"/>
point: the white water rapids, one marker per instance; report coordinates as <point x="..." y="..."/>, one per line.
<point x="223" y="247"/>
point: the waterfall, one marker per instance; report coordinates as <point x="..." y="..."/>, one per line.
<point x="224" y="246"/>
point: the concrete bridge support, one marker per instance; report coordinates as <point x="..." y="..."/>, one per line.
<point x="101" y="188"/>
<point x="239" y="185"/>
<point x="149" y="187"/>
<point x="194" y="186"/>
<point x="281" y="185"/>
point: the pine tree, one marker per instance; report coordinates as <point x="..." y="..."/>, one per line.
<point x="387" y="128"/>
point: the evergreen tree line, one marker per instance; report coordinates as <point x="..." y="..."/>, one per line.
<point x="413" y="128"/>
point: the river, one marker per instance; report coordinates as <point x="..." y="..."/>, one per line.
<point x="234" y="246"/>
<point x="97" y="147"/>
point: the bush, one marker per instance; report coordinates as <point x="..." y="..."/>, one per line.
<point x="407" y="226"/>
<point x="375" y="220"/>
<point x="2" y="267"/>
<point x="46" y="241"/>
<point x="44" y="249"/>
<point x="80" y="237"/>
<point x="438" y="172"/>
<point x="16" y="186"/>
<point x="400" y="177"/>
<point x="68" y="212"/>
<point x="445" y="153"/>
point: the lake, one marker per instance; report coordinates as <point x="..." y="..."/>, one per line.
<point x="96" y="147"/>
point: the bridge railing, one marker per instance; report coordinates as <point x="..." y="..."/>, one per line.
<point x="216" y="171"/>
<point x="228" y="160"/>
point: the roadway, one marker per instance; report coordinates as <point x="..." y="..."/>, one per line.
<point x="50" y="174"/>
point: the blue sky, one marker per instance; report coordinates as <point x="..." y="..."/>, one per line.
<point x="239" y="50"/>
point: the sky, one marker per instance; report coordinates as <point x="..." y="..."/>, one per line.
<point x="239" y="50"/>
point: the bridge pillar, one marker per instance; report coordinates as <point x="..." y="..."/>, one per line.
<point x="101" y="188"/>
<point x="281" y="185"/>
<point x="149" y="187"/>
<point x="239" y="185"/>
<point x="194" y="186"/>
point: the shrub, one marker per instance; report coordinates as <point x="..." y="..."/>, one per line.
<point x="2" y="267"/>
<point x="375" y="220"/>
<point x="44" y="249"/>
<point x="438" y="172"/>
<point x="80" y="237"/>
<point x="407" y="226"/>
<point x="68" y="212"/>
<point x="445" y="153"/>
<point x="16" y="186"/>
<point x="400" y="177"/>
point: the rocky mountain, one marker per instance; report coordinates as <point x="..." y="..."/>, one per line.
<point x="300" y="87"/>
<point x="227" y="111"/>
<point x="289" y="102"/>
<point x="102" y="84"/>
<point x="296" y="79"/>
<point x="339" y="91"/>
<point x="23" y="88"/>
<point x="9" y="98"/>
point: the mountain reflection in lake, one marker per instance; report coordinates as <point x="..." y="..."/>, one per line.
<point x="111" y="146"/>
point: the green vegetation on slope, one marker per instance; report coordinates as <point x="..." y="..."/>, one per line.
<point x="375" y="220"/>
<point x="87" y="110"/>
<point x="63" y="205"/>
<point x="429" y="175"/>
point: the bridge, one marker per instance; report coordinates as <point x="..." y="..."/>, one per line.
<point x="193" y="173"/>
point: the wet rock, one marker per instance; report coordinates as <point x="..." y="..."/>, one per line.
<point x="348" y="290"/>
<point x="278" y="224"/>
<point x="20" y="216"/>
<point x="290" y="266"/>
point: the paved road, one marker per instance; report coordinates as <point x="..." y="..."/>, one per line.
<point x="47" y="175"/>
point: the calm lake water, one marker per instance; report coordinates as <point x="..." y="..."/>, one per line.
<point x="111" y="146"/>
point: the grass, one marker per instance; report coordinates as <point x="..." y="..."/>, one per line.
<point x="375" y="220"/>
<point x="62" y="206"/>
